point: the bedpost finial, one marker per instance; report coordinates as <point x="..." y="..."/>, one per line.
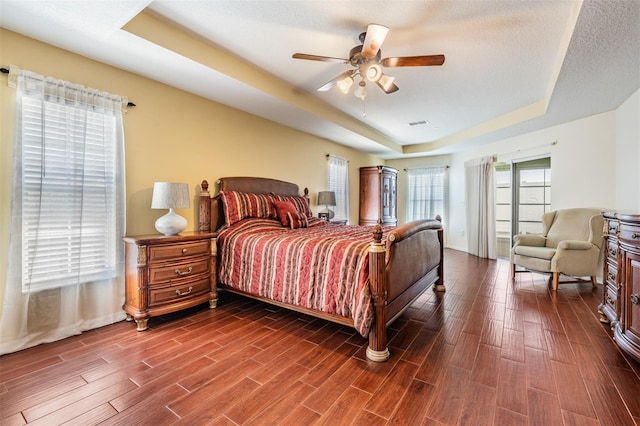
<point x="306" y="192"/>
<point x="204" y="185"/>
<point x="377" y="233"/>
<point x="439" y="218"/>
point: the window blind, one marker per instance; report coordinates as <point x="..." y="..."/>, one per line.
<point x="338" y="182"/>
<point x="425" y="197"/>
<point x="69" y="195"/>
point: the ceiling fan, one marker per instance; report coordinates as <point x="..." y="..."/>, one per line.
<point x="367" y="62"/>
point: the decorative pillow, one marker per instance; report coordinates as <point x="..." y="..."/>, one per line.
<point x="240" y="205"/>
<point x="301" y="203"/>
<point x="283" y="210"/>
<point x="297" y="220"/>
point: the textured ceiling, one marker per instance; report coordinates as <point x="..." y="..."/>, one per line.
<point x="511" y="66"/>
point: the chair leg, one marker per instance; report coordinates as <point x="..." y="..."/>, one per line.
<point x="556" y="280"/>
<point x="513" y="271"/>
<point x="594" y="280"/>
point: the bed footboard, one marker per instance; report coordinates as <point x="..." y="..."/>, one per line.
<point x="399" y="274"/>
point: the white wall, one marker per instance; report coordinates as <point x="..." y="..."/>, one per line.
<point x="583" y="164"/>
<point x="628" y="155"/>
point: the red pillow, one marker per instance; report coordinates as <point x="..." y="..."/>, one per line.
<point x="297" y="220"/>
<point x="282" y="209"/>
<point x="240" y="205"/>
<point x="289" y="216"/>
<point x="301" y="203"/>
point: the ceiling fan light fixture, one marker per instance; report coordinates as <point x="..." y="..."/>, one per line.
<point x="361" y="90"/>
<point x="345" y="84"/>
<point x="374" y="72"/>
<point x="386" y="82"/>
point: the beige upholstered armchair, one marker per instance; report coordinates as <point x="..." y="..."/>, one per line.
<point x="569" y="244"/>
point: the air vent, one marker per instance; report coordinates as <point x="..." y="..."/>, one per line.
<point x="417" y="123"/>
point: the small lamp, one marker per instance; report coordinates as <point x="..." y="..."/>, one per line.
<point x="170" y="195"/>
<point x="328" y="198"/>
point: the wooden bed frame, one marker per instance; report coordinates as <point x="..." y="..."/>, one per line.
<point x="398" y="275"/>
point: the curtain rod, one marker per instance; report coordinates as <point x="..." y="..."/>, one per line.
<point x="4" y="70"/>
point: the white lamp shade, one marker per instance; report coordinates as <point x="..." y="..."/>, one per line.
<point x="170" y="195"/>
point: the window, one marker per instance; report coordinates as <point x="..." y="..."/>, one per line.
<point x="425" y="197"/>
<point x="532" y="195"/>
<point x="338" y="182"/>
<point x="503" y="208"/>
<point x="71" y="185"/>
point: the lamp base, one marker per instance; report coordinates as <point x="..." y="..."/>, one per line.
<point x="327" y="211"/>
<point x="171" y="223"/>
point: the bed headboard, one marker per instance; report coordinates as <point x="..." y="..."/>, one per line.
<point x="211" y="215"/>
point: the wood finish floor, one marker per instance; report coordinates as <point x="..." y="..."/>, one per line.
<point x="488" y="351"/>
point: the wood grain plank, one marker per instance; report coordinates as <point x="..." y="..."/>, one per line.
<point x="512" y="386"/>
<point x="572" y="392"/>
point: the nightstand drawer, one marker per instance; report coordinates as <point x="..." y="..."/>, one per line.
<point x="178" y="292"/>
<point x="162" y="253"/>
<point x="177" y="271"/>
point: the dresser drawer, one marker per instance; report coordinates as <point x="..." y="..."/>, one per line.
<point x="177" y="292"/>
<point x="161" y="253"/>
<point x="612" y="227"/>
<point x="612" y="250"/>
<point x="166" y="273"/>
<point x="611" y="274"/>
<point x="630" y="234"/>
<point x="611" y="301"/>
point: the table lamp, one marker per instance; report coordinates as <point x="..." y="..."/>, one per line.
<point x="328" y="198"/>
<point x="170" y="195"/>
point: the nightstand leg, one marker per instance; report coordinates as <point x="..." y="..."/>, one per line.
<point x="128" y="317"/>
<point x="213" y="303"/>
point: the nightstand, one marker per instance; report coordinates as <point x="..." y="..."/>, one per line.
<point x="168" y="273"/>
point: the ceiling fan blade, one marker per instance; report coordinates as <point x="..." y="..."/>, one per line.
<point x="329" y="85"/>
<point x="413" y="61"/>
<point x="320" y="58"/>
<point x="387" y="85"/>
<point x="373" y="40"/>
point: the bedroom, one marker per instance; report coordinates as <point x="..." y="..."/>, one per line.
<point x="171" y="135"/>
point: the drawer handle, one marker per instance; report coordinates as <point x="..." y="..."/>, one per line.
<point x="184" y="251"/>
<point x="612" y="228"/>
<point x="635" y="236"/>
<point x="612" y="277"/>
<point x="635" y="299"/>
<point x="182" y="274"/>
<point x="185" y="293"/>
<point x="610" y="300"/>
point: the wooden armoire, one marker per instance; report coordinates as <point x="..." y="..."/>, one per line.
<point x="378" y="195"/>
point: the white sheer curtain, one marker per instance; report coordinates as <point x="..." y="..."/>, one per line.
<point x="425" y="197"/>
<point x="338" y="182"/>
<point x="65" y="271"/>
<point x="481" y="222"/>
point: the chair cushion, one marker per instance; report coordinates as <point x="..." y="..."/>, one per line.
<point x="537" y="252"/>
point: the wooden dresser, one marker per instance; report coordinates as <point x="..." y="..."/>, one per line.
<point x="168" y="273"/>
<point x="621" y="276"/>
<point x="378" y="195"/>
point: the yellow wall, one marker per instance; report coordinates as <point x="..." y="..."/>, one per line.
<point x="172" y="136"/>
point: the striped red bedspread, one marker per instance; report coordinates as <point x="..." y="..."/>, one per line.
<point x="323" y="267"/>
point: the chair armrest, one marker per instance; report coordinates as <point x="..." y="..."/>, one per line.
<point x="574" y="245"/>
<point x="533" y="240"/>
